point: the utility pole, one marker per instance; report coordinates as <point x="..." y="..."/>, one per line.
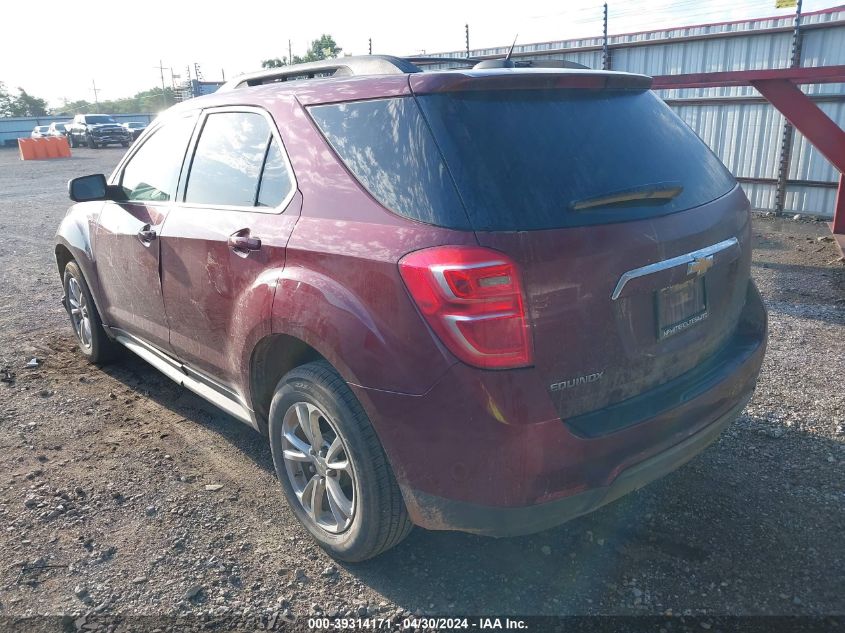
<point x="163" y="93"/>
<point x="290" y="53"/>
<point x="198" y="77"/>
<point x="371" y="46"/>
<point x="605" y="49"/>
<point x="788" y="135"/>
<point x="466" y="33"/>
<point x="96" y="92"/>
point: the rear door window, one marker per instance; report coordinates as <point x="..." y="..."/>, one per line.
<point x="228" y="159"/>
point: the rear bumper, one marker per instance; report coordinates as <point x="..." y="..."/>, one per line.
<point x="487" y="452"/>
<point x="439" y="513"/>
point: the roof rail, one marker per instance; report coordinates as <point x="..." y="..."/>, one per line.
<point x="423" y="60"/>
<point x="378" y="65"/>
<point x="528" y="63"/>
<point x="337" y="67"/>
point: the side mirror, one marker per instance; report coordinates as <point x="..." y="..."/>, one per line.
<point x="88" y="188"/>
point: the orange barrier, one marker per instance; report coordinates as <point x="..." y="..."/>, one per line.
<point x="43" y="148"/>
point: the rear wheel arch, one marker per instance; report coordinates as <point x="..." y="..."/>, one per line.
<point x="273" y="357"/>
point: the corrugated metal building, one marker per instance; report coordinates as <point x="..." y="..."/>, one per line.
<point x="738" y="124"/>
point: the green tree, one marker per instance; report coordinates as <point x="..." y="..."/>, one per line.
<point x="146" y="101"/>
<point x="5" y="101"/>
<point x="27" y="105"/>
<point x="22" y="105"/>
<point x="323" y="48"/>
<point x="275" y="62"/>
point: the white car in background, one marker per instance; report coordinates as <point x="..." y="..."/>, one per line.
<point x="40" y="131"/>
<point x="59" y="129"/>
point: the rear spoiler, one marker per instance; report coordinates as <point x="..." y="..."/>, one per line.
<point x="527" y="79"/>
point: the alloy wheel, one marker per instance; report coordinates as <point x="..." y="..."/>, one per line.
<point x="318" y="467"/>
<point x="79" y="315"/>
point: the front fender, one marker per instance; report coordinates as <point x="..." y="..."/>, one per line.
<point x="76" y="234"/>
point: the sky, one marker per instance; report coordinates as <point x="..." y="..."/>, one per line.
<point x="119" y="45"/>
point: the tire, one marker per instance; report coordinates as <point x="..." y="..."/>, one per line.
<point x="378" y="519"/>
<point x="93" y="340"/>
<point x="125" y="144"/>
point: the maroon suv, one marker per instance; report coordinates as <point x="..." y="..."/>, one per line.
<point x="487" y="300"/>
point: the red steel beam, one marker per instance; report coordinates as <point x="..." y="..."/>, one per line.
<point x="838" y="224"/>
<point x="807" y="118"/>
<point x="839" y="217"/>
<point x="779" y="88"/>
<point x="817" y="128"/>
<point x="820" y="75"/>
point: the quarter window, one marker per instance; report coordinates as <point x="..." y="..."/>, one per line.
<point x="153" y="171"/>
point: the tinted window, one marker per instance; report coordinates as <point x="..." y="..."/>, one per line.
<point x="98" y="118"/>
<point x="522" y="159"/>
<point x="387" y="145"/>
<point x="152" y="173"/>
<point x="228" y="159"/>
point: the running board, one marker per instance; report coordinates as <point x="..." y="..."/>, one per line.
<point x="178" y="374"/>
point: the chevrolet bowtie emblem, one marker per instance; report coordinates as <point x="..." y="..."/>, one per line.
<point x="700" y="265"/>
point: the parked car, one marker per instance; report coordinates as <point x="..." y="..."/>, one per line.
<point x="135" y="128"/>
<point x="40" y="131"/>
<point x="97" y="130"/>
<point x="488" y="300"/>
<point x="59" y="129"/>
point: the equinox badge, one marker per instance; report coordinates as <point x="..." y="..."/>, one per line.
<point x="576" y="382"/>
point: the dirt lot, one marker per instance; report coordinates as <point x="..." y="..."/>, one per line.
<point x="105" y="510"/>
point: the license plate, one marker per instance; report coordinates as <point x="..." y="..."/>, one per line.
<point x="680" y="307"/>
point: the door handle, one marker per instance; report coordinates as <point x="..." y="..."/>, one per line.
<point x="147" y="234"/>
<point x="242" y="242"/>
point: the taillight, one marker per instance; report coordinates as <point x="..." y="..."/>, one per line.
<point x="472" y="298"/>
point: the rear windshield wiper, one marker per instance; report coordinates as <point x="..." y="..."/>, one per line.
<point x="660" y="193"/>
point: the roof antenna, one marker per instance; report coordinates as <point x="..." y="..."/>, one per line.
<point x="510" y="52"/>
<point x="507" y="62"/>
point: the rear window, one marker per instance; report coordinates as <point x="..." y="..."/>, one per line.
<point x="524" y="159"/>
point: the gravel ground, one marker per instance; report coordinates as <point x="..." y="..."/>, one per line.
<point x="105" y="476"/>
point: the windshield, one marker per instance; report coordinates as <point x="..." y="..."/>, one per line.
<point x="99" y="118"/>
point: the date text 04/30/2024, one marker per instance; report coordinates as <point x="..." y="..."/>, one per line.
<point x="481" y="624"/>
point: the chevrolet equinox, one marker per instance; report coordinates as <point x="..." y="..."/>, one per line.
<point x="487" y="299"/>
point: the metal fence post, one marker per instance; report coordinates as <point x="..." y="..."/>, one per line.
<point x="788" y="135"/>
